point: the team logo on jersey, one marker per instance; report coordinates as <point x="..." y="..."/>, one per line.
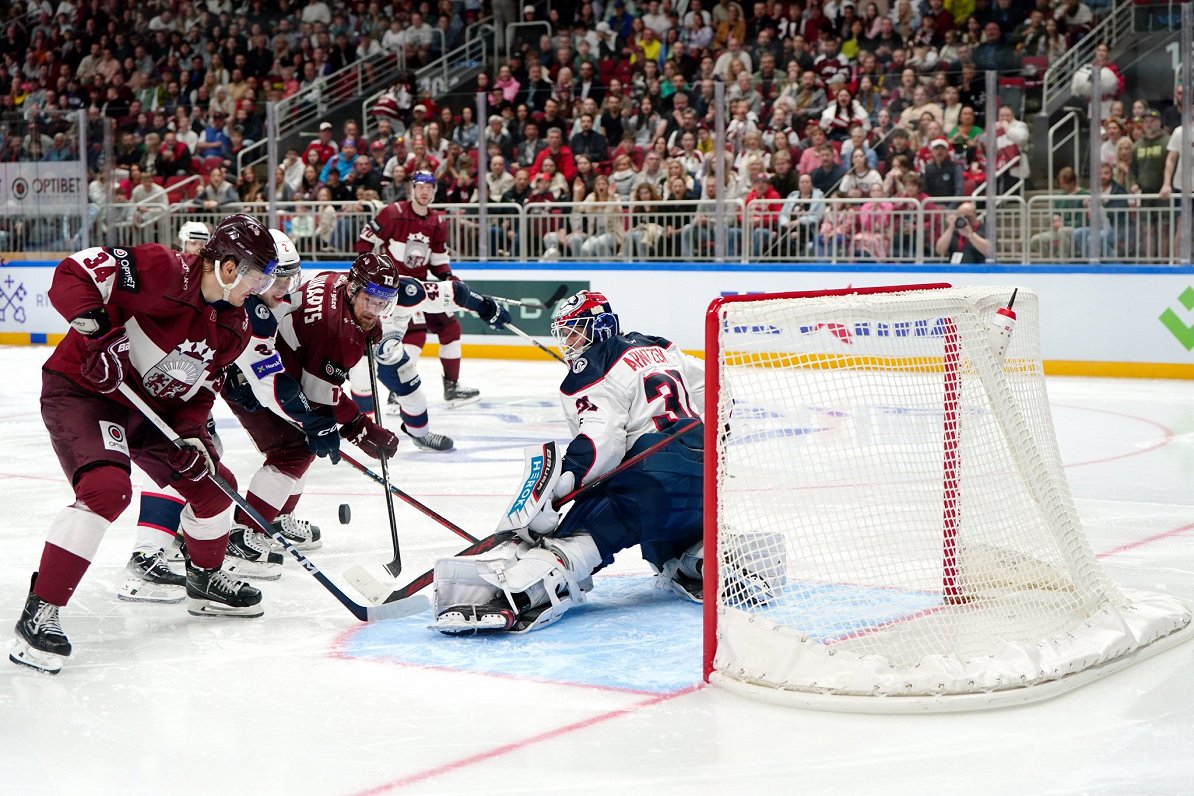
<point x="579" y="365"/>
<point x="179" y="372"/>
<point x="262" y="311"/>
<point x="412" y="289"/>
<point x="334" y="371"/>
<point x="126" y="269"/>
<point x="417" y="251"/>
<point x="114" y="437"/>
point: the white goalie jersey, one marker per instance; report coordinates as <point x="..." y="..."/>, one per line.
<point x="620" y="389"/>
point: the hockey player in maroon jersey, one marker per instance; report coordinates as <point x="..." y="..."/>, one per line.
<point x="165" y="324"/>
<point x="416" y="238"/>
<point x="320" y="338"/>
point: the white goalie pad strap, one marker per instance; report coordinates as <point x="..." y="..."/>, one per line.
<point x="539" y="576"/>
<point x="541" y="471"/>
<point x="458" y="580"/>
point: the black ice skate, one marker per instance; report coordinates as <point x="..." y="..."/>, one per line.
<point x="300" y="533"/>
<point x="250" y="555"/>
<point x="213" y="592"/>
<point x="456" y="395"/>
<point x="429" y="441"/>
<point x="40" y="643"/>
<point x="149" y="579"/>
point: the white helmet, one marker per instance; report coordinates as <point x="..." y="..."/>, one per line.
<point x="289" y="265"/>
<point x="193" y="231"/>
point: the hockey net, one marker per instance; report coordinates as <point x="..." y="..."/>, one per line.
<point x="888" y="524"/>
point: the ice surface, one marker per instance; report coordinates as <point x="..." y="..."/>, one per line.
<point x="307" y="700"/>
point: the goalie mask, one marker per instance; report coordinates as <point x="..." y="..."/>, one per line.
<point x="582" y="320"/>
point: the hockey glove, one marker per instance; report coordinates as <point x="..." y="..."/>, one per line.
<point x="493" y="313"/>
<point x="106" y="361"/>
<point x="371" y="438"/>
<point x="389" y="350"/>
<point x="195" y="458"/>
<point x="490" y="311"/>
<point x="548" y="518"/>
<point x="323" y="438"/>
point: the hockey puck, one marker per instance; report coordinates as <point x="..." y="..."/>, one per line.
<point x="345" y="513"/>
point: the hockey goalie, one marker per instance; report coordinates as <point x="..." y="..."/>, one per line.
<point x="623" y="394"/>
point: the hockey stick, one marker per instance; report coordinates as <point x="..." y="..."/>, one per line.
<point x="534" y="342"/>
<point x="409" y="499"/>
<point x="401" y="606"/>
<point x="376" y="592"/>
<point x="545" y="305"/>
<point x="394" y="567"/>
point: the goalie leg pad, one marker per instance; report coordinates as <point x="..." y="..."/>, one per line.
<point x="458" y="582"/>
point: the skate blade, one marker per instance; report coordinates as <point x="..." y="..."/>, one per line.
<point x="456" y="402"/>
<point x="135" y="590"/>
<point x="198" y="607"/>
<point x="303" y="547"/>
<point x="252" y="570"/>
<point x="45" y="662"/>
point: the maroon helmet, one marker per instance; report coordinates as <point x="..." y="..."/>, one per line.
<point x="242" y="238"/>
<point x="376" y="274"/>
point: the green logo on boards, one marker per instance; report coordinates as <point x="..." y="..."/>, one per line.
<point x="1176" y="326"/>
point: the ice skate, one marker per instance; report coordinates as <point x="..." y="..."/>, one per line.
<point x="149" y="579"/>
<point x="430" y="441"/>
<point x="300" y="533"/>
<point x="456" y="395"/>
<point x="250" y="556"/>
<point x="40" y="643"/>
<point x="214" y="592"/>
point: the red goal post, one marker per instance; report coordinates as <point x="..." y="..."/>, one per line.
<point x="885" y="506"/>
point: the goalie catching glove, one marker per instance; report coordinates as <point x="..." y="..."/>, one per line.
<point x="532" y="514"/>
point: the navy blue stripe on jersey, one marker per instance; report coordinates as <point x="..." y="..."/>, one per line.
<point x="162" y="512"/>
<point x="597" y="362"/>
<point x="580" y="457"/>
<point x="261" y="318"/>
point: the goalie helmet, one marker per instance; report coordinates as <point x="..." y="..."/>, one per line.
<point x="581" y="321"/>
<point x="290" y="267"/>
<point x="377" y="276"/>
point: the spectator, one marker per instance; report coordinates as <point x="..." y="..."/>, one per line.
<point x="801" y="216"/>
<point x="1076" y="17"/>
<point x="861" y="177"/>
<point x="646" y="228"/>
<point x="248" y="187"/>
<point x="843" y="114"/>
<point x="218" y="195"/>
<point x="1113" y="217"/>
<point x="558" y="152"/>
<point x="858" y="142"/>
<point x="828" y="173"/>
<point x="942" y="175"/>
<point x="873" y="239"/>
<point x="569" y="233"/>
<point x="732" y="53"/>
<point x="588" y="141"/>
<point x="150" y="203"/>
<point x="761" y="209"/>
<point x="342" y="161"/>
<point x="604" y="224"/>
<point x="963" y="238"/>
<point x="497" y="179"/>
<point x="556" y="183"/>
<point x="1147" y="175"/>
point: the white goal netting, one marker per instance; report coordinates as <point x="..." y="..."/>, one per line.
<point x="892" y="517"/>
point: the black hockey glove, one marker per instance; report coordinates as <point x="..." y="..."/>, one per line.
<point x="493" y="313"/>
<point x="323" y="437"/>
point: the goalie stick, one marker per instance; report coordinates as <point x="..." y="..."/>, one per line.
<point x="549" y="351"/>
<point x="400" y="606"/>
<point x="546" y="305"/>
<point x="377" y="592"/>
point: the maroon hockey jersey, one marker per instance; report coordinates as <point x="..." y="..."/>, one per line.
<point x="320" y="341"/>
<point x="179" y="343"/>
<point x="417" y="244"/>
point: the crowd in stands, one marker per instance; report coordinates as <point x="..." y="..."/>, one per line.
<point x="611" y="115"/>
